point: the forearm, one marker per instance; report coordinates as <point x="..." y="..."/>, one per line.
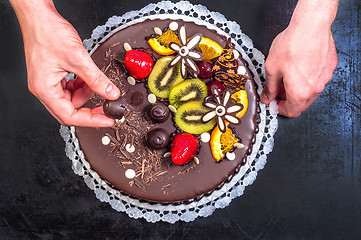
<point x="314" y="14"/>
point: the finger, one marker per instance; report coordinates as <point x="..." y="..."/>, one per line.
<point x="272" y="86"/>
<point x="287" y="109"/>
<point x="81" y="96"/>
<point x="65" y="112"/>
<point x="86" y="69"/>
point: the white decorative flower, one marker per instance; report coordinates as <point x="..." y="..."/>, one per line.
<point x="221" y="111"/>
<point x="186" y="54"/>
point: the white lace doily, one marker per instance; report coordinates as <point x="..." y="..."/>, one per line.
<point x="263" y="140"/>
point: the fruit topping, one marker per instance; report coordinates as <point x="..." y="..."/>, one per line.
<point x="158" y="138"/>
<point x="183" y="148"/>
<point x="160" y="44"/>
<point x="215" y="85"/>
<point x="114" y="109"/>
<point x="189" y="118"/>
<point x="162" y="79"/>
<point x="186" y="52"/>
<point x="189" y="90"/>
<point x="205" y="70"/>
<point x="138" y="63"/>
<point x="209" y="48"/>
<point x="226" y="70"/>
<point x="221" y="111"/>
<point x="158" y="112"/>
<point x="241" y="97"/>
<point x="221" y="143"/>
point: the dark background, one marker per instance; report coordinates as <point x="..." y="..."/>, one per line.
<point x="310" y="187"/>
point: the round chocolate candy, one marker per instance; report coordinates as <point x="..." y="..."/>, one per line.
<point x="158" y="112"/>
<point x="114" y="109"/>
<point x="158" y="138"/>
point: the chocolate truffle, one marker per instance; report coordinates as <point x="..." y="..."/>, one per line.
<point x="114" y="109"/>
<point x="158" y="138"/>
<point x="158" y="112"/>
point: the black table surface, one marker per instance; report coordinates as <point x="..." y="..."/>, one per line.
<point x="310" y="187"/>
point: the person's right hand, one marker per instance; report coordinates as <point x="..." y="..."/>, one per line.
<point x="53" y="49"/>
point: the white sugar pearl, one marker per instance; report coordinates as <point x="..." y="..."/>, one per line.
<point x="130" y="174"/>
<point x="105" y="140"/>
<point x="241" y="70"/>
<point x="152" y="98"/>
<point x="205" y="137"/>
<point x="172" y="108"/>
<point x="238" y="145"/>
<point x="235" y="54"/>
<point x="131" y="80"/>
<point x="167" y="155"/>
<point x="127" y="47"/>
<point x="173" y="26"/>
<point x="230" y="156"/>
<point x="158" y="31"/>
<point x="130" y="148"/>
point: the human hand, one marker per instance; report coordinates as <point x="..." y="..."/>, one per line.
<point x="301" y="61"/>
<point x="53" y="49"/>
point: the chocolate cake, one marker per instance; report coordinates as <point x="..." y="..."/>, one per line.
<point x="138" y="154"/>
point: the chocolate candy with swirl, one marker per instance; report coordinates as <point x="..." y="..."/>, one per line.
<point x="227" y="71"/>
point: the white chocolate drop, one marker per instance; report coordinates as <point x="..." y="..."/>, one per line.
<point x="152" y="98"/>
<point x="235" y="54"/>
<point x="158" y="31"/>
<point x="238" y="145"/>
<point x="205" y="137"/>
<point x="130" y="174"/>
<point x="241" y="70"/>
<point x="131" y="80"/>
<point x="127" y="47"/>
<point x="130" y="148"/>
<point x="105" y="140"/>
<point x="167" y="155"/>
<point x="231" y="156"/>
<point x="172" y="108"/>
<point x="173" y="26"/>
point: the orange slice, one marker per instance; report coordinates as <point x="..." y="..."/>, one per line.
<point x="209" y="48"/>
<point x="221" y="143"/>
<point x="160" y="44"/>
<point x="242" y="98"/>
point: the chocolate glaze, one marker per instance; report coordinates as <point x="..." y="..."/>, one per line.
<point x="178" y="183"/>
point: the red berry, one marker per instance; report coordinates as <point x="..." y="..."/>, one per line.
<point x="183" y="148"/>
<point x="215" y="85"/>
<point x="205" y="70"/>
<point x="138" y="63"/>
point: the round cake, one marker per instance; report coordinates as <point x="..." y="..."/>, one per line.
<point x="187" y="116"/>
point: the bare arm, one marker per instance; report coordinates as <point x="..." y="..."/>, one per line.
<point x="302" y="58"/>
<point x="52" y="50"/>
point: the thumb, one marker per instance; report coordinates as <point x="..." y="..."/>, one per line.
<point x="272" y="86"/>
<point x="88" y="71"/>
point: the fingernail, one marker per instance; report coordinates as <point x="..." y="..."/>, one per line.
<point x="264" y="97"/>
<point x="111" y="91"/>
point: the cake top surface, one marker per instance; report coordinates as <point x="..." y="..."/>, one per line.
<point x="126" y="160"/>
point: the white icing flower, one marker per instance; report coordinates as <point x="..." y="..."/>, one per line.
<point x="221" y="111"/>
<point x="186" y="54"/>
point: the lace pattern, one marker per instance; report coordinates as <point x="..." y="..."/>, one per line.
<point x="220" y="198"/>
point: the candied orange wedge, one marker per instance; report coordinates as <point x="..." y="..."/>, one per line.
<point x="209" y="48"/>
<point x="221" y="143"/>
<point x="242" y="98"/>
<point x="160" y="44"/>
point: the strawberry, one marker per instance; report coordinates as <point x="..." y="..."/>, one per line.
<point x="138" y="63"/>
<point x="183" y="148"/>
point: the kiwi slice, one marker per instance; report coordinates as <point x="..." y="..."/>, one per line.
<point x="187" y="91"/>
<point x="189" y="118"/>
<point x="162" y="78"/>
